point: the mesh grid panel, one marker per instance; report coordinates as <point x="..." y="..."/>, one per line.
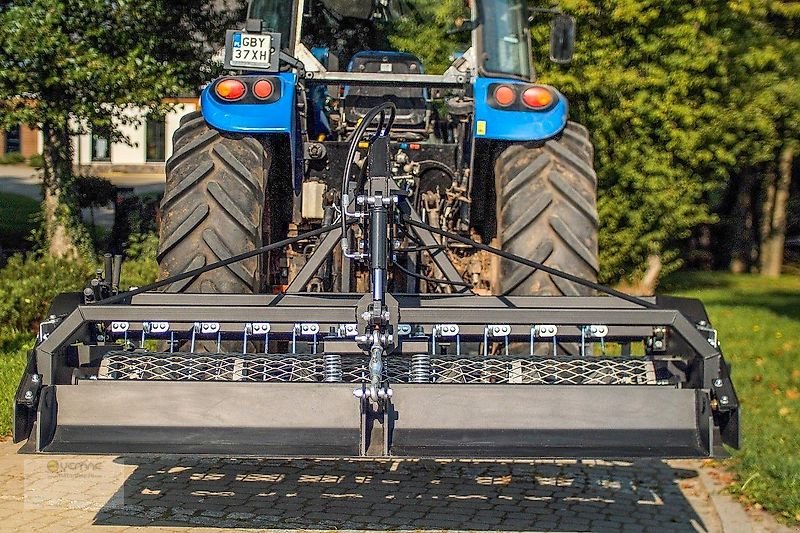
<point x="125" y="365"/>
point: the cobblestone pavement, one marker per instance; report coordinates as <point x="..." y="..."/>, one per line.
<point x="63" y="493"/>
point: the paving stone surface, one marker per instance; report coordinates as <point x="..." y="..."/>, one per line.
<point x="188" y="493"/>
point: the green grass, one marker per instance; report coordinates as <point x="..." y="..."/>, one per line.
<point x="13" y="356"/>
<point x="758" y="320"/>
<point x="17" y="219"/>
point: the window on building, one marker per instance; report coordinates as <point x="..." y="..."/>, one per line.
<point x="156" y="139"/>
<point x="101" y="148"/>
<point x="13" y="140"/>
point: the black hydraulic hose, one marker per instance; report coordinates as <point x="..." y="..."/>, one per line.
<point x="407" y="272"/>
<point x="533" y="264"/>
<point x="351" y="152"/>
<point x="219" y="264"/>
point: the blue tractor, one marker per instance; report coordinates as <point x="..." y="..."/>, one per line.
<point x="361" y="259"/>
<point x="482" y="150"/>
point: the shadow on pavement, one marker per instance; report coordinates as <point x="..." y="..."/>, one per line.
<point x="403" y="494"/>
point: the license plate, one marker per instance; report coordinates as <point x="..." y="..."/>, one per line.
<point x="252" y="50"/>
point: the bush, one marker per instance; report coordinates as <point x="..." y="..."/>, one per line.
<point x="29" y="283"/>
<point x="92" y="191"/>
<point x="140" y="267"/>
<point x="36" y="161"/>
<point x="12" y="158"/>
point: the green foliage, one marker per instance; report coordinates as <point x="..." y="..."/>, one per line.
<point x="759" y="327"/>
<point x="14" y="348"/>
<point x="680" y="97"/>
<point x="18" y="216"/>
<point x="140" y="267"/>
<point x="36" y="161"/>
<point x="91" y="62"/>
<point x="92" y="59"/>
<point x="12" y="158"/>
<point x="92" y="191"/>
<point x="29" y="283"/>
<point x="425" y="34"/>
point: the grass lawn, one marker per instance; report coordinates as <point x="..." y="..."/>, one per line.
<point x="759" y="326"/>
<point x="17" y="219"/>
<point x="13" y="356"/>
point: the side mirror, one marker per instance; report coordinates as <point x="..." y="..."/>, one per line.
<point x="562" y="38"/>
<point x="462" y="25"/>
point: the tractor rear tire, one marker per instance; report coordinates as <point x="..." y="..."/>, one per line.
<point x="547" y="212"/>
<point x="213" y="207"/>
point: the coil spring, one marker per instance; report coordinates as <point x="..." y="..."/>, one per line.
<point x="333" y="368"/>
<point x="421" y="368"/>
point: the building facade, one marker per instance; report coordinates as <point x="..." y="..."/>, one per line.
<point x="150" y="144"/>
<point x="20" y="139"/>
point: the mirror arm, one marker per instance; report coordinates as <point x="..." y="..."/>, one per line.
<point x="539" y="10"/>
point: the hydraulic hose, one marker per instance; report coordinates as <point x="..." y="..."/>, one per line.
<point x="533" y="264"/>
<point x="219" y="264"/>
<point x="351" y="152"/>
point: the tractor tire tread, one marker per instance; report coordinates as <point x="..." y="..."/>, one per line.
<point x="547" y="212"/>
<point x="212" y="207"/>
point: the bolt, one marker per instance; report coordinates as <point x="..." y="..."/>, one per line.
<point x="315" y="151"/>
<point x="35" y="378"/>
<point x="718" y="383"/>
<point x="723" y="400"/>
<point x="29" y="395"/>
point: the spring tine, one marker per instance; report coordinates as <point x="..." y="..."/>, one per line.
<point x="244" y="342"/>
<point x="458" y="345"/>
<point x="531" y="343"/>
<point x="171" y="342"/>
<point x="219" y="341"/>
<point x="141" y="343"/>
<point x="583" y="341"/>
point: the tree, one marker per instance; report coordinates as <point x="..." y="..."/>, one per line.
<point x="71" y="65"/>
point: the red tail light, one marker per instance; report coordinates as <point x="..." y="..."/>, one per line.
<point x="537" y="97"/>
<point x="504" y="95"/>
<point x="263" y="89"/>
<point x="230" y="89"/>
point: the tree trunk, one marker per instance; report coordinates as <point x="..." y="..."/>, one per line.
<point x="741" y="225"/>
<point x="773" y="232"/>
<point x="56" y="208"/>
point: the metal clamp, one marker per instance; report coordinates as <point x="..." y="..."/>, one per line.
<point x="155" y="328"/>
<point x="544" y="331"/>
<point x="498" y="331"/>
<point x="712" y="336"/>
<point x="446" y="331"/>
<point x="305" y="329"/>
<point x="347" y="330"/>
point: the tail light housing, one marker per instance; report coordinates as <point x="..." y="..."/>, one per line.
<point x="521" y="97"/>
<point x="230" y="89"/>
<point x="504" y="95"/>
<point x="263" y="89"/>
<point x="538" y="97"/>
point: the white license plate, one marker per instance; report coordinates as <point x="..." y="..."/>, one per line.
<point x="251" y="50"/>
